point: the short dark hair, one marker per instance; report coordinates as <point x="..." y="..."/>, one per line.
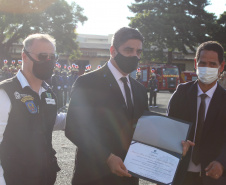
<point x="124" y="34"/>
<point x="211" y="46"/>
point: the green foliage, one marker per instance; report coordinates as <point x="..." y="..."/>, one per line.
<point x="24" y="6"/>
<point x="172" y="24"/>
<point x="153" y="54"/>
<point x="59" y="20"/>
<point x="219" y="34"/>
<point x="75" y="55"/>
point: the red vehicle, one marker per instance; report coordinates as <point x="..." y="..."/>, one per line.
<point x="166" y="74"/>
<point x="187" y="76"/>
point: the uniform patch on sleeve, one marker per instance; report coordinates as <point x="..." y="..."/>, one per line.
<point x="27" y="98"/>
<point x="31" y="107"/>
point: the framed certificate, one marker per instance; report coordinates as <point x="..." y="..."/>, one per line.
<point x="156" y="149"/>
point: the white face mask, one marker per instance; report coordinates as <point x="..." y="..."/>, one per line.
<point x="207" y="75"/>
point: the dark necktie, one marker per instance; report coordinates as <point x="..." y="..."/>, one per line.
<point x="199" y="128"/>
<point x="128" y="97"/>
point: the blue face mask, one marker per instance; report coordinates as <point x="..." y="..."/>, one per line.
<point x="126" y="64"/>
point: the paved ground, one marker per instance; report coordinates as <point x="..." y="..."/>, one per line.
<point x="162" y="102"/>
<point x="66" y="150"/>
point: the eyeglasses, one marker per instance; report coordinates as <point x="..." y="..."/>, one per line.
<point x="43" y="56"/>
<point x="46" y="56"/>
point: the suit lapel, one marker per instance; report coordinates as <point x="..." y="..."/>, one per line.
<point x="192" y="106"/>
<point x="192" y="101"/>
<point x="110" y="82"/>
<point x="115" y="90"/>
<point x="213" y="111"/>
<point x="135" y="97"/>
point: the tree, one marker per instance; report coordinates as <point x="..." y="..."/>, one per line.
<point x="172" y="24"/>
<point x="153" y="53"/>
<point x="62" y="24"/>
<point x="59" y="20"/>
<point x="219" y="34"/>
<point x="24" y="6"/>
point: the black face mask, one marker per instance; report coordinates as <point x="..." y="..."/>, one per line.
<point x="126" y="64"/>
<point x="42" y="70"/>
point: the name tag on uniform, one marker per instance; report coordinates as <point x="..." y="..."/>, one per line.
<point x="50" y="101"/>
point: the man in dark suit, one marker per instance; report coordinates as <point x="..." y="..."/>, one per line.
<point x="203" y="103"/>
<point x="104" y="108"/>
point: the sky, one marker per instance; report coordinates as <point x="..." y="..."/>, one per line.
<point x="107" y="16"/>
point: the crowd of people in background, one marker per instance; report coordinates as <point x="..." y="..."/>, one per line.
<point x="62" y="81"/>
<point x="8" y="71"/>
